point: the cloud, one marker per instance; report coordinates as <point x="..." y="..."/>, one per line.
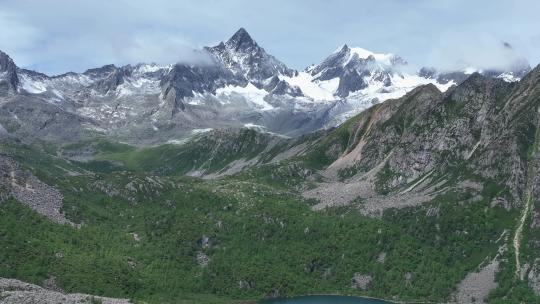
<point x="16" y="36"/>
<point x="482" y="51"/>
<point x="56" y="36"/>
<point x="152" y="46"/>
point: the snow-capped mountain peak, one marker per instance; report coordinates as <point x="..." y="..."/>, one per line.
<point x="348" y="56"/>
<point x="240" y="84"/>
<point x="356" y="68"/>
<point x="244" y="57"/>
<point x="361" y="53"/>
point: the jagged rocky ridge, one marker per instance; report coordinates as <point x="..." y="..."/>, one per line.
<point x="237" y="83"/>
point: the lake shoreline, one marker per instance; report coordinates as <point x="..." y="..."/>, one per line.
<point x="333" y="294"/>
<point x="352" y="296"/>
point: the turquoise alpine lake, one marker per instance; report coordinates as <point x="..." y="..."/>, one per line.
<point x="324" y="299"/>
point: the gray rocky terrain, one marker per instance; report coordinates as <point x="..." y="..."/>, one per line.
<point x="237" y="84"/>
<point x="29" y="190"/>
<point x="17" y="292"/>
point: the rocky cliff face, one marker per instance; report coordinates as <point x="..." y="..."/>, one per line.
<point x="484" y="127"/>
<point x="9" y="81"/>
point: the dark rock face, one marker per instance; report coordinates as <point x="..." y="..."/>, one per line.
<point x="109" y="77"/>
<point x="183" y="80"/>
<point x="8" y="75"/>
<point x="427" y="72"/>
<point x="241" y="41"/>
<point x="283" y="88"/>
<point x="457" y="77"/>
<point x="280" y="87"/>
<point x="332" y="66"/>
<point x="351" y="81"/>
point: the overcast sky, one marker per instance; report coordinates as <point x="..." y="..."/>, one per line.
<point x="60" y="36"/>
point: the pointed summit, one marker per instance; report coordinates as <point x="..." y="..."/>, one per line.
<point x="247" y="60"/>
<point x="6" y="63"/>
<point x="9" y="79"/>
<point x="241" y="32"/>
<point x="241" y="40"/>
<point x="342" y="49"/>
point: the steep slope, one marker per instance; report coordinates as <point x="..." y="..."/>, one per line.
<point x="163" y="238"/>
<point x="428" y="131"/>
<point x="8" y="75"/>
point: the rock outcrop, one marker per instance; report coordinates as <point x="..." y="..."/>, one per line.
<point x="17" y="292"/>
<point x="476" y="286"/>
<point x="361" y="281"/>
<point x="29" y="190"/>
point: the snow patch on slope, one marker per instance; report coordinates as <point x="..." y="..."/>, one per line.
<point x="315" y="89"/>
<point x="509" y="77"/>
<point x="249" y="93"/>
<point x="325" y="90"/>
<point x="139" y="85"/>
<point x="32" y="86"/>
<point x="149" y="68"/>
<point x="376" y="92"/>
<point x="364" y="54"/>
